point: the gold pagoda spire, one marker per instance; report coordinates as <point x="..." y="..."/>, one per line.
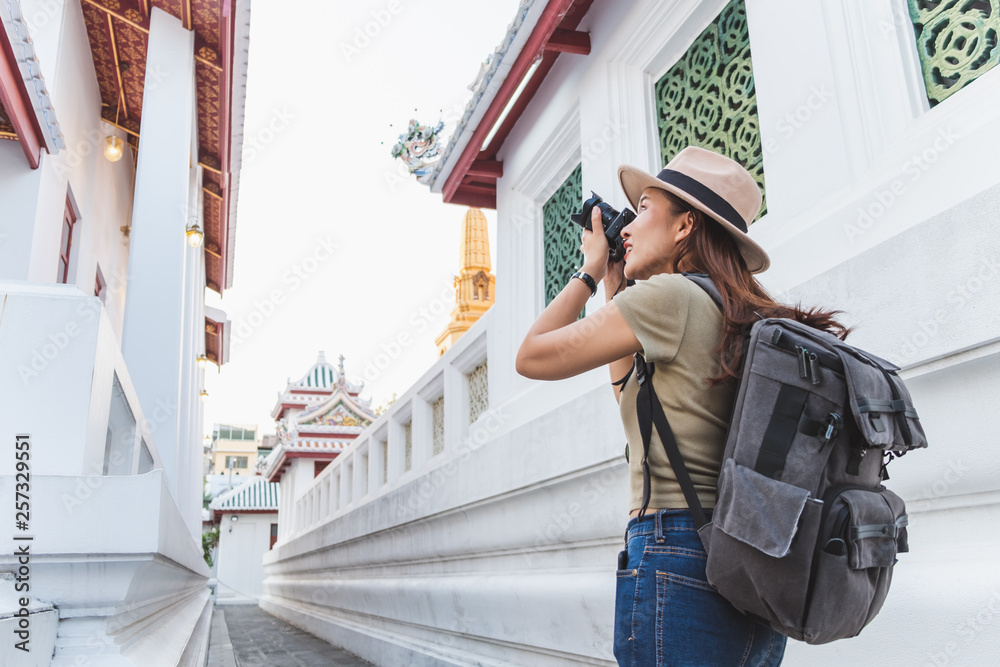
<point x="474" y="284"/>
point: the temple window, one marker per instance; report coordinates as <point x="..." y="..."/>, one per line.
<point x="707" y="98"/>
<point x="560" y="237"/>
<point x="66" y="244"/>
<point x="956" y="43"/>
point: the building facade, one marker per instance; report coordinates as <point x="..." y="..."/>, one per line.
<point x="869" y="128"/>
<point x="120" y="143"/>
<point x="234" y="447"/>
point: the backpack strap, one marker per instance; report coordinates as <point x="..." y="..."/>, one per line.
<point x="650" y="413"/>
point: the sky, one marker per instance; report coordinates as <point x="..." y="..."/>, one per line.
<point x="337" y="247"/>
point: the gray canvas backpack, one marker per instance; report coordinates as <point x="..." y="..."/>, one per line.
<point x="804" y="535"/>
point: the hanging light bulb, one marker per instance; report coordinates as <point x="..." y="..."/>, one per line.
<point x="202" y="361"/>
<point x="194" y="235"/>
<point x="204" y="395"/>
<point x="114" y="148"/>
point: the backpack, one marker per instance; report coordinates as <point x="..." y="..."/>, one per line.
<point x="804" y="535"/>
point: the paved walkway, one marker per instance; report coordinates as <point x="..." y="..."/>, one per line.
<point x="247" y="636"/>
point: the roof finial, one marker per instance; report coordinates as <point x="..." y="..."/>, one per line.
<point x="340" y="369"/>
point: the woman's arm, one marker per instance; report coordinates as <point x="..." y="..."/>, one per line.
<point x="559" y="346"/>
<point x="614" y="282"/>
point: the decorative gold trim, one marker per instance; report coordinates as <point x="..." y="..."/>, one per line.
<point x="190" y="23"/>
<point x="118" y="67"/>
<point x="217" y="68"/>
<point x="120" y="127"/>
<point x="217" y="196"/>
<point x="9" y="135"/>
<point x="209" y="168"/>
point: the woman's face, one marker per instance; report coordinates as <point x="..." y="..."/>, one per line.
<point x="651" y="238"/>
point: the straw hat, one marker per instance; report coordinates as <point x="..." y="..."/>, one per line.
<point x="714" y="184"/>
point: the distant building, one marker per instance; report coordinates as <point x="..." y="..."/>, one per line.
<point x="474" y="284"/>
<point x="316" y="418"/>
<point x="248" y="527"/>
<point x="234" y="449"/>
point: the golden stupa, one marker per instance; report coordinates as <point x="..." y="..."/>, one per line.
<point x="474" y="284"/>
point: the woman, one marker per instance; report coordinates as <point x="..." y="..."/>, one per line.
<point x="691" y="217"/>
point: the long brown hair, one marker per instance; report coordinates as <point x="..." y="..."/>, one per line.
<point x="710" y="249"/>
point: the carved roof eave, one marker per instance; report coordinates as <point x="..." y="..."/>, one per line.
<point x="280" y="456"/>
<point x="241" y="50"/>
<point x="31" y="73"/>
<point x="338" y="396"/>
<point x="329" y="429"/>
<point x="484" y="89"/>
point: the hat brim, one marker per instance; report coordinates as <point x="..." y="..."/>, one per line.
<point x="634" y="181"/>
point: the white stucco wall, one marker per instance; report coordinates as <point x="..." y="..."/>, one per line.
<point x="34" y="200"/>
<point x="242" y="545"/>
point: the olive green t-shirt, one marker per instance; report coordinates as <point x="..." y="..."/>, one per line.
<point x="679" y="326"/>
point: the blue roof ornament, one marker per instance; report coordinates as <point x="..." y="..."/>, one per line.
<point x="419" y="147"/>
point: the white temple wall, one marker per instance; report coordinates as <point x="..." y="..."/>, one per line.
<point x="242" y="544"/>
<point x="117" y="534"/>
<point x="34" y="200"/>
<point x="501" y="550"/>
<point x="111" y="551"/>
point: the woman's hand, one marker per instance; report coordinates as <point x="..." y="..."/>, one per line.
<point x="596" y="260"/>
<point x="595" y="247"/>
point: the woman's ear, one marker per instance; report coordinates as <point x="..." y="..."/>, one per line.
<point x="686" y="226"/>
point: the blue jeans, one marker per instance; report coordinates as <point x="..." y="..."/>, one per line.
<point x="666" y="612"/>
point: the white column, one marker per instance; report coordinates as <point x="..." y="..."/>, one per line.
<point x="157" y="332"/>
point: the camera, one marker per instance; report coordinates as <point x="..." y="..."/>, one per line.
<point x="613" y="222"/>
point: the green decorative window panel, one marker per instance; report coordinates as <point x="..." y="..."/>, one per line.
<point x="560" y="237"/>
<point x="956" y="41"/>
<point x="707" y="98"/>
<point x="479" y="391"/>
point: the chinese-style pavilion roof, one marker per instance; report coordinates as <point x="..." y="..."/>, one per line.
<point x="119" y="36"/>
<point x="313" y="388"/>
<point x="332" y="415"/>
<point x="254" y="495"/>
<point x="340" y="413"/>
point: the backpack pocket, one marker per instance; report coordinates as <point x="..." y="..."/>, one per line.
<point x="861" y="533"/>
<point x="880" y="403"/>
<point x="757" y="510"/>
<point x="760" y="545"/>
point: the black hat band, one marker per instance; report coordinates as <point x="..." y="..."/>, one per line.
<point x="705" y="195"/>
